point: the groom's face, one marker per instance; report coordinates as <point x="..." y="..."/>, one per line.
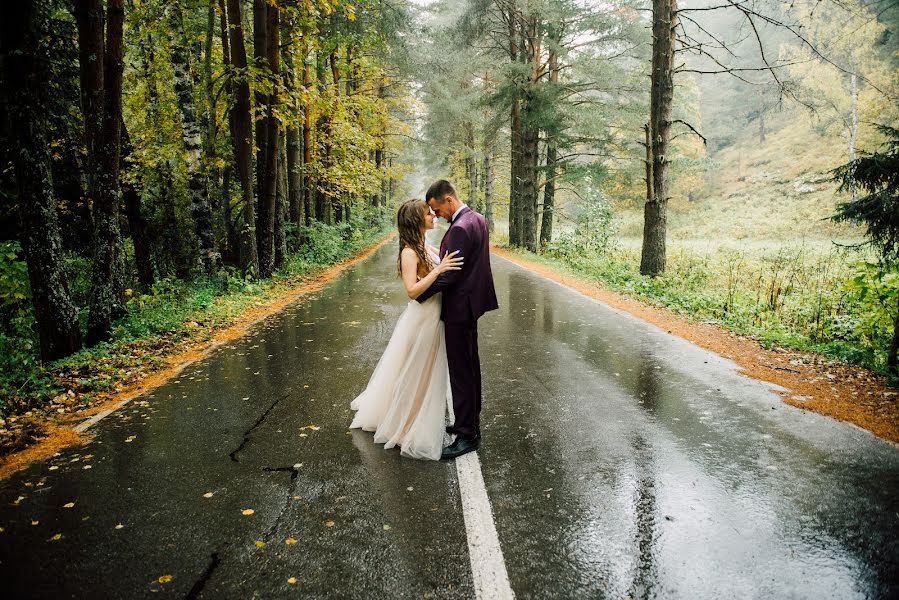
<point x="444" y="209"/>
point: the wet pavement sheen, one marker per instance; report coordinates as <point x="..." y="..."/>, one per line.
<point x="620" y="461"/>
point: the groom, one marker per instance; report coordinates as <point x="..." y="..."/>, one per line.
<point x="467" y="294"/>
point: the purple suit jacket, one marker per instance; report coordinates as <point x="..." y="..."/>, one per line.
<point x="467" y="293"/>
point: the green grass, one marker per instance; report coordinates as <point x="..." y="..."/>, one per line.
<point x="799" y="296"/>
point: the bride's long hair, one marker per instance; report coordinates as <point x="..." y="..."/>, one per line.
<point x="410" y="222"/>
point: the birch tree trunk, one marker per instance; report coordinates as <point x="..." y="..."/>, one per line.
<point x="25" y="26"/>
<point x="191" y="137"/>
<point x="664" y="20"/>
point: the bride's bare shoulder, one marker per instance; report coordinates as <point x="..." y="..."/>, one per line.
<point x="409" y="254"/>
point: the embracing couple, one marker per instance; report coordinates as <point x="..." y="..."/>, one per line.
<point x="428" y="381"/>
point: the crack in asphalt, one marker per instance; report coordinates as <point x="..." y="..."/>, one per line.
<point x="200" y="583"/>
<point x="294" y="472"/>
<point x="246" y="434"/>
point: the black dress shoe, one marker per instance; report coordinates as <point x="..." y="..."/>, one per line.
<point x="459" y="447"/>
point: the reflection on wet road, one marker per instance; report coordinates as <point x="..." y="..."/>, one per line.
<point x="620" y="461"/>
<point x="631" y="463"/>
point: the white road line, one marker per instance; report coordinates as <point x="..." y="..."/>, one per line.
<point x="488" y="568"/>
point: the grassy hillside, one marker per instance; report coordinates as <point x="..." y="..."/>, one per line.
<point x="779" y="190"/>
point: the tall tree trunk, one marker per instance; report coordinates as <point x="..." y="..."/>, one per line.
<point x="242" y="138"/>
<point x="549" y="190"/>
<point x="107" y="300"/>
<point x="488" y="188"/>
<point x="471" y="166"/>
<point x="231" y="234"/>
<point x="664" y="21"/>
<point x="89" y="18"/>
<point x="26" y="25"/>
<point x="853" y="126"/>
<point x="137" y="224"/>
<point x="309" y="208"/>
<point x="528" y="189"/>
<point x="549" y="196"/>
<point x="281" y="203"/>
<point x="323" y="133"/>
<point x="531" y="136"/>
<point x="892" y="361"/>
<point x="515" y="139"/>
<point x="293" y="153"/>
<point x="294" y="178"/>
<point x="191" y="137"/>
<point x="268" y="180"/>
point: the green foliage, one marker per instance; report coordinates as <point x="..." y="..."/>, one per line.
<point x="796" y="296"/>
<point x="874" y="291"/>
<point x="592" y="236"/>
<point x="877" y="174"/>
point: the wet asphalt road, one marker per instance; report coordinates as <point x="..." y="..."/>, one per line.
<point x="620" y="461"/>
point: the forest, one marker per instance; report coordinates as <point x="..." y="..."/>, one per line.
<point x="167" y="163"/>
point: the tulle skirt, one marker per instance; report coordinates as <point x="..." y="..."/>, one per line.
<point x="408" y="398"/>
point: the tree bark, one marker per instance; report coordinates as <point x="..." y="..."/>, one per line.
<point x="530" y="138"/>
<point x="853" y="126"/>
<point x="89" y="18"/>
<point x="268" y="180"/>
<point x="471" y="167"/>
<point x="107" y="300"/>
<point x="516" y="141"/>
<point x="281" y="203"/>
<point x="549" y="196"/>
<point x="892" y="361"/>
<point x="137" y="224"/>
<point x="231" y="234"/>
<point x="293" y="153"/>
<point x="549" y="190"/>
<point x="26" y="26"/>
<point x="309" y="208"/>
<point x="323" y="133"/>
<point x="488" y="189"/>
<point x="242" y="138"/>
<point x="664" y="21"/>
<point x="209" y="259"/>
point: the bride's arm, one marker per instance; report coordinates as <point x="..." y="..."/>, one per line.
<point x="409" y="267"/>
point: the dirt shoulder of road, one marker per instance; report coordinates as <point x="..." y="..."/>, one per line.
<point x="61" y="432"/>
<point x="813" y="382"/>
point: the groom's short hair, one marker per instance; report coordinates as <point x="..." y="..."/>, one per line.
<point x="439" y="190"/>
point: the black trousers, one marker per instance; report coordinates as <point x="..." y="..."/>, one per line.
<point x="465" y="377"/>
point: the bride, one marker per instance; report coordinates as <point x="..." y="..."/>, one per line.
<point x="408" y="395"/>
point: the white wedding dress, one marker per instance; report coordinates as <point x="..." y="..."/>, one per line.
<point x="408" y="398"/>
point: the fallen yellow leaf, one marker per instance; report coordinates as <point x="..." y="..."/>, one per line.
<point x="69" y="505"/>
<point x="291" y="580"/>
<point x="290" y="541"/>
<point x="329" y="523"/>
<point x="386" y="527"/>
<point x="247" y="512"/>
<point x="165" y="578"/>
<point x="56" y="537"/>
<point x="119" y="526"/>
<point x="207" y="495"/>
<point x="260" y="543"/>
<point x="35" y="522"/>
